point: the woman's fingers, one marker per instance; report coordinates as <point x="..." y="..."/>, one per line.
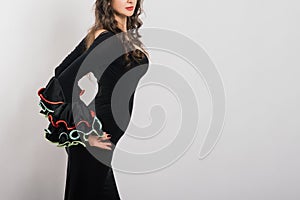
<point x="101" y="142"/>
<point x="105" y="136"/>
<point x="104" y="145"/>
<point x="103" y="139"/>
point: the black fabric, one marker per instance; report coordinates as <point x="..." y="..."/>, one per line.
<point x="61" y="129"/>
<point x="87" y="177"/>
<point x="75" y="53"/>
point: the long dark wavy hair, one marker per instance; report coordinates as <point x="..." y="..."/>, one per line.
<point x="104" y="19"/>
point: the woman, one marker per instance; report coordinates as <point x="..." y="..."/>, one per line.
<point x="87" y="177"/>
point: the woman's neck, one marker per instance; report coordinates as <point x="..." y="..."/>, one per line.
<point x="122" y="22"/>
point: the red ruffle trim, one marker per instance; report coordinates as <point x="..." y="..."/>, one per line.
<point x="50" y="117"/>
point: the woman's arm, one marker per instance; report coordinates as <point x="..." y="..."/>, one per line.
<point x="77" y="51"/>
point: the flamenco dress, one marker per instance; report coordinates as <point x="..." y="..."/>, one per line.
<point x="87" y="178"/>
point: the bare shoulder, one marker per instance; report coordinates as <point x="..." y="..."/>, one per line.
<point x="98" y="32"/>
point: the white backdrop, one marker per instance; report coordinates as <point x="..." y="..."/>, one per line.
<point x="255" y="46"/>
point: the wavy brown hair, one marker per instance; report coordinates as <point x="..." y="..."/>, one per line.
<point x="104" y="19"/>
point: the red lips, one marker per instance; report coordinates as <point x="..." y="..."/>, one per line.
<point x="129" y="8"/>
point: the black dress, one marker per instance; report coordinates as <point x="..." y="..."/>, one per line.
<point x="87" y="177"/>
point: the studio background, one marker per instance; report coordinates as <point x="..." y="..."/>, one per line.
<point x="255" y="46"/>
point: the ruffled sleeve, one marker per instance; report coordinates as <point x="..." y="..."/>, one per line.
<point x="67" y="126"/>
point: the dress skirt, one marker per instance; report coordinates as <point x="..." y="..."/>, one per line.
<point x="87" y="177"/>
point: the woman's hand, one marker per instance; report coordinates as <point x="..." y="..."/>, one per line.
<point x="101" y="142"/>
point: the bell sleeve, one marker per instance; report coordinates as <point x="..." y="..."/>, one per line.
<point x="69" y="123"/>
